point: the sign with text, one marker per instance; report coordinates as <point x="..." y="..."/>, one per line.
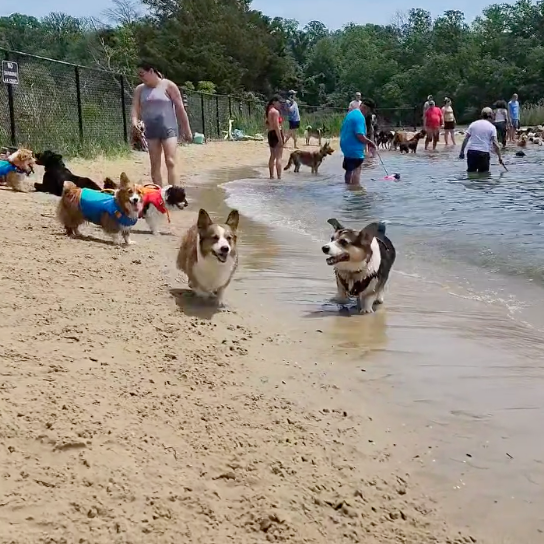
<point x="10" y="72"/>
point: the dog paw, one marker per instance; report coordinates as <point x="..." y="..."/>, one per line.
<point x="366" y="311"/>
<point x="130" y="242"/>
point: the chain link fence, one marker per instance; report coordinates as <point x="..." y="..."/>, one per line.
<point x="73" y="109"/>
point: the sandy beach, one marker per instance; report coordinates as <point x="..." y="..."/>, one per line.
<point x="129" y="414"/>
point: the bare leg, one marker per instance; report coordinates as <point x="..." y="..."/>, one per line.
<point x="278" y="155"/>
<point x="353" y="177"/>
<point x="436" y="137"/>
<point x="170" y="147"/>
<point x="452" y="134"/>
<point x="294" y="136"/>
<point x="446" y="132"/>
<point x="155" y="158"/>
<point x="271" y="161"/>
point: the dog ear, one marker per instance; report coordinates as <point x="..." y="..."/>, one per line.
<point x="124" y="181"/>
<point x="335" y="224"/>
<point x="233" y="219"/>
<point x="204" y="220"/>
<point x="369" y="233"/>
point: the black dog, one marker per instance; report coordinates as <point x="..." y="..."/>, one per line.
<point x="56" y="173"/>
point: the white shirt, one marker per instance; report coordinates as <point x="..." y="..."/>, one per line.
<point x="501" y="115"/>
<point x="482" y="134"/>
<point x="355" y="104"/>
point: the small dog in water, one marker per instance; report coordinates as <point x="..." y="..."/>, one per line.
<point x="208" y="255"/>
<point x="313" y="159"/>
<point x="362" y="261"/>
<point x="157" y="201"/>
<point x="116" y="214"/>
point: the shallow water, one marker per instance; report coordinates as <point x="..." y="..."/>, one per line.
<point x="456" y="353"/>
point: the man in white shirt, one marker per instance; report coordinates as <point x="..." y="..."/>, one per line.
<point x="355" y="104"/>
<point x="480" y="140"/>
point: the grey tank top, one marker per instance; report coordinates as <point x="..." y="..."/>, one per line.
<point x="157" y="109"/>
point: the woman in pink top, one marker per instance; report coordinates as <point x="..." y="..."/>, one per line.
<point x="433" y="122"/>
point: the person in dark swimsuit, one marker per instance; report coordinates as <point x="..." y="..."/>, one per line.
<point x="275" y="135"/>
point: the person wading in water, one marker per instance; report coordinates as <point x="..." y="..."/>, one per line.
<point x="275" y="135"/>
<point x="480" y="140"/>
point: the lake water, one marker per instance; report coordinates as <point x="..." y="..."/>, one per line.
<point x="458" y="346"/>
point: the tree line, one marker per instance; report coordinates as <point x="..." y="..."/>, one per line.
<point x="227" y="47"/>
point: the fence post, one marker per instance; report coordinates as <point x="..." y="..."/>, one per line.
<point x="79" y="108"/>
<point x="230" y="108"/>
<point x="217" y="116"/>
<point x="124" y="108"/>
<point x="11" y="107"/>
<point x="203" y="114"/>
<point x="249" y="108"/>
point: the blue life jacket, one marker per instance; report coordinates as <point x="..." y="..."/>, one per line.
<point x="6" y="167"/>
<point x="94" y="204"/>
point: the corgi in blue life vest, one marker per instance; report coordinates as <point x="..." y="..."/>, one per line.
<point x="15" y="167"/>
<point x="115" y="213"/>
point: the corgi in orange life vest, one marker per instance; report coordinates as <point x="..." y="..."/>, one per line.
<point x="157" y="201"/>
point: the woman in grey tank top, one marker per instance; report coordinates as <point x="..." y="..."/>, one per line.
<point x="158" y="103"/>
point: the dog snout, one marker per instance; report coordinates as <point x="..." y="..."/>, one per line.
<point x="224" y="250"/>
<point x="325" y="249"/>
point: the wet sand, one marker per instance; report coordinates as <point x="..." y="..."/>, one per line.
<point x="131" y="414"/>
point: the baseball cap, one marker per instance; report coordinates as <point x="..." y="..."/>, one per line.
<point x="487" y="111"/>
<point x="292" y="92"/>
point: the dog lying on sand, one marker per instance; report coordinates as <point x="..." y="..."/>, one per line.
<point x="313" y="159"/>
<point x="362" y="261"/>
<point x="56" y="173"/>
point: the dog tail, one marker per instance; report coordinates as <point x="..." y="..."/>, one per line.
<point x="109" y="184"/>
<point x="68" y="186"/>
<point x="289" y="163"/>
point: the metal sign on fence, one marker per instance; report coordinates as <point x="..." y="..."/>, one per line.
<point x="10" y="72"/>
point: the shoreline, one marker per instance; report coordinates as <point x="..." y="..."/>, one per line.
<point x="218" y="427"/>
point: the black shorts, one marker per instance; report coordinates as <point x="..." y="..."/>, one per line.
<point x="349" y="165"/>
<point x="293" y="125"/>
<point x="449" y="125"/>
<point x="478" y="161"/>
<point x="272" y="139"/>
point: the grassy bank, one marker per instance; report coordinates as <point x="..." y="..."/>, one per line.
<point x="532" y="114"/>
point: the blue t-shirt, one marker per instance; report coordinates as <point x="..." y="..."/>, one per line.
<point x="513" y="108"/>
<point x="294" y="114"/>
<point x="94" y="204"/>
<point x="354" y="123"/>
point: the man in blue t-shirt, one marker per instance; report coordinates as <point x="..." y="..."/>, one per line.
<point x="513" y="112"/>
<point x="352" y="143"/>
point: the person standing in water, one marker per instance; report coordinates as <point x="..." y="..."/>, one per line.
<point x="275" y="135"/>
<point x="353" y="140"/>
<point x="480" y="140"/>
<point x="502" y="121"/>
<point x="514" y="113"/>
<point x="294" y="118"/>
<point x="449" y="121"/>
<point x="433" y="121"/>
<point x="158" y="103"/>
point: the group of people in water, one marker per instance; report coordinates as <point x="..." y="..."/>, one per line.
<point x="158" y="103"/>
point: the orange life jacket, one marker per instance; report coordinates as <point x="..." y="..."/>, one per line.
<point x="152" y="194"/>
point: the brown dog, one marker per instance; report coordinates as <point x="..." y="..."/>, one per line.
<point x="22" y="165"/>
<point x="313" y="159"/>
<point x="116" y="214"/>
<point x="208" y="255"/>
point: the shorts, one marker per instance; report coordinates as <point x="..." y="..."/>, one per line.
<point x="501" y="132"/>
<point x="293" y="125"/>
<point x="433" y="133"/>
<point x="449" y="125"/>
<point x="478" y="161"/>
<point x="158" y="131"/>
<point x="272" y="139"/>
<point x="515" y="123"/>
<point x="349" y="165"/>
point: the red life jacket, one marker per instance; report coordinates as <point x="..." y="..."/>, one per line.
<point x="152" y="194"/>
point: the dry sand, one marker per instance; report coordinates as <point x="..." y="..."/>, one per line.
<point x="125" y="417"/>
